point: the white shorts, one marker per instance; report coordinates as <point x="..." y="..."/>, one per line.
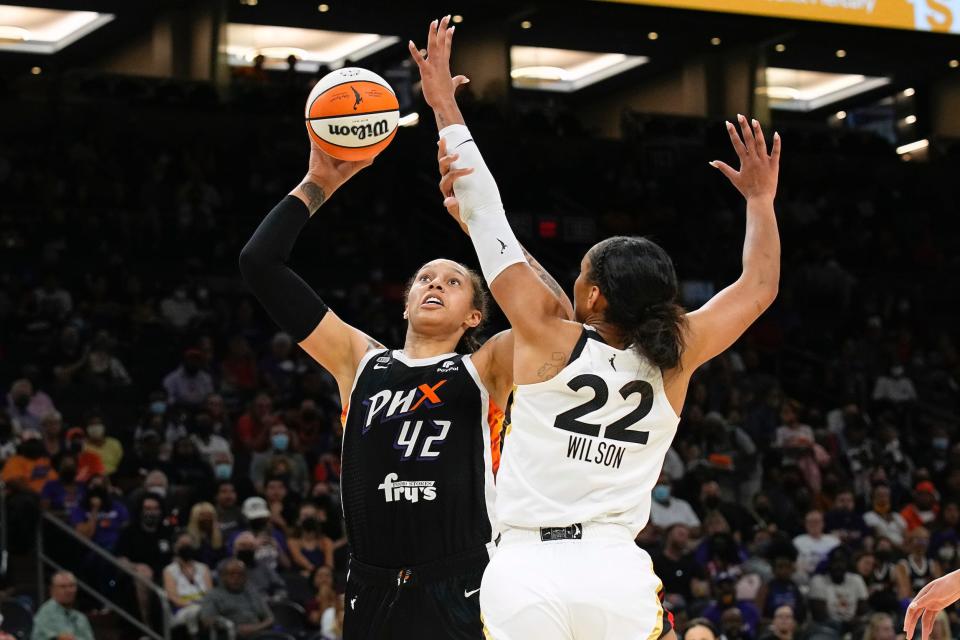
<point x="601" y="586"/>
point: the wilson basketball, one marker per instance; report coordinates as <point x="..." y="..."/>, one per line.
<point x="352" y="114"/>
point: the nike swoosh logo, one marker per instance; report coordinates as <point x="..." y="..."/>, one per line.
<point x="379" y="366"/>
<point x="467" y="594"/>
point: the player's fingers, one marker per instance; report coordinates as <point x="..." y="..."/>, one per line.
<point x="459" y="80"/>
<point x="749" y="143"/>
<point x="761" y="141"/>
<point x="446" y="161"/>
<point x="736" y="141"/>
<point x="775" y="153"/>
<point x="443" y="37"/>
<point x="725" y="169"/>
<point x="441" y="148"/>
<point x="448" y="41"/>
<point x="415" y="53"/>
<point x="929" y="618"/>
<point x="910" y="620"/>
<point x="432" y="39"/>
<point x="451" y="204"/>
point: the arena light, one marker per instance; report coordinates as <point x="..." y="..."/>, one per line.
<point x="801" y="90"/>
<point x="312" y="47"/>
<point x="45" y="31"/>
<point x="913" y="146"/>
<point x="566" y="70"/>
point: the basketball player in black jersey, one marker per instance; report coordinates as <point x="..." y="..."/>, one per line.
<point x="418" y="452"/>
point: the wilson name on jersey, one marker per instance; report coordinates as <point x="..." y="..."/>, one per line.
<point x="417" y="477"/>
<point x="588" y="444"/>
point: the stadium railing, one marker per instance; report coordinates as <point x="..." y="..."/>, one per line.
<point x="46" y="561"/>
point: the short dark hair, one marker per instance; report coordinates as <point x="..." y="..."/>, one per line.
<point x="637" y="278"/>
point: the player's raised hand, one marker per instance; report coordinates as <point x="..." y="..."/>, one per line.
<point x="330" y="172"/>
<point x="757" y="177"/>
<point x="436" y="80"/>
<point x="933" y="598"/>
<point x="448" y="176"/>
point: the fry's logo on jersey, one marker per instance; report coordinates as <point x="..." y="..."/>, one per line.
<point x="400" y="403"/>
<point x="395" y="490"/>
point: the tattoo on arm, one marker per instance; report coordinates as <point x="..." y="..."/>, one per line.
<point x="558" y="359"/>
<point x="548" y="280"/>
<point x="315" y="196"/>
<point x="441" y="121"/>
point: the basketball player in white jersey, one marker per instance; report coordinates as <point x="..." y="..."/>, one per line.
<point x="596" y="401"/>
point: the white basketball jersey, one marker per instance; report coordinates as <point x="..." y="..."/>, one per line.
<point x="588" y="444"/>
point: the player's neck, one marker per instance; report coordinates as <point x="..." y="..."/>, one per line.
<point x="610" y="334"/>
<point x="417" y="346"/>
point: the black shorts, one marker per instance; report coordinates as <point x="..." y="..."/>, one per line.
<point x="439" y="600"/>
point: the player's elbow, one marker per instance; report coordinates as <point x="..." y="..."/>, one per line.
<point x="251" y="261"/>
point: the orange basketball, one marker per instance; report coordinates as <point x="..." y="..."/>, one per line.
<point x="352" y="114"/>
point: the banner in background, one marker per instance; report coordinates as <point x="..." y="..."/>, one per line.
<point x="939" y="16"/>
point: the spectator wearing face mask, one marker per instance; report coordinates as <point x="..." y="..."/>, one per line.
<point x="280" y="450"/>
<point x="229" y="515"/>
<point x="89" y="463"/>
<point x="271" y="539"/>
<point x="207" y="442"/>
<point x="63" y="494"/>
<point x="25" y="407"/>
<point x="107" y="447"/>
<point x="261" y="576"/>
<point x="188" y="385"/>
<point x="30" y="468"/>
<point x="309" y="547"/>
<point x="145" y="547"/>
<point x="99" y="517"/>
<point x="668" y="510"/>
<point x="186" y="580"/>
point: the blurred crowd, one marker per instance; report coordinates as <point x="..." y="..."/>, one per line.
<point x="814" y="485"/>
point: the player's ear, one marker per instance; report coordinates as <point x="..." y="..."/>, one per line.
<point x="406" y="307"/>
<point x="595" y="299"/>
<point x="473" y="320"/>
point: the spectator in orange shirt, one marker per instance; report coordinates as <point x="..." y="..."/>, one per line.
<point x="253" y="427"/>
<point x="89" y="463"/>
<point x="922" y="512"/>
<point x="29" y="469"/>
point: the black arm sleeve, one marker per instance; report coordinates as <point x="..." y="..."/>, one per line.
<point x="290" y="301"/>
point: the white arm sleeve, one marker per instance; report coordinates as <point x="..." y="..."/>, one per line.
<point x="480" y="206"/>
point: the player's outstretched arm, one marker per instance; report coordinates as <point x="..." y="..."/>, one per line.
<point x="290" y="301"/>
<point x="715" y="326"/>
<point x="525" y="298"/>
<point x="933" y="598"/>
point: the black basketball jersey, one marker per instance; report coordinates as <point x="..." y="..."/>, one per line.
<point x="418" y="460"/>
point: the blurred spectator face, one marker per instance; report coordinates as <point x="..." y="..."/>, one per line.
<point x="844" y="501"/>
<point x="783" y="621"/>
<point x="63" y="589"/>
<point x="323" y="577"/>
<point x="813" y="523"/>
<point x="245" y="541"/>
<point x="866" y="564"/>
<point x="68" y="469"/>
<point x="96" y="431"/>
<point x="951" y="514"/>
<point x="186" y="449"/>
<point x="52" y="424"/>
<point x="226" y="496"/>
<point x="279" y="437"/>
<point x="275" y="491"/>
<point x="699" y="632"/>
<point x="788" y="414"/>
<point x="20" y="392"/>
<point x="783" y="568"/>
<point x="192" y="361"/>
<point x="925" y="500"/>
<point x="234" y="576"/>
<point x="715" y="523"/>
<point x="222" y="465"/>
<point x="151" y="514"/>
<point x="262" y="405"/>
<point x="918" y="541"/>
<point x="726" y="591"/>
<point x="837" y="567"/>
<point x="281" y="346"/>
<point x="678" y="538"/>
<point x="881" y="499"/>
<point x="881" y="627"/>
<point x="156" y="483"/>
<point x="215" y="406"/>
<point x="710" y="494"/>
<point x="731" y="623"/>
